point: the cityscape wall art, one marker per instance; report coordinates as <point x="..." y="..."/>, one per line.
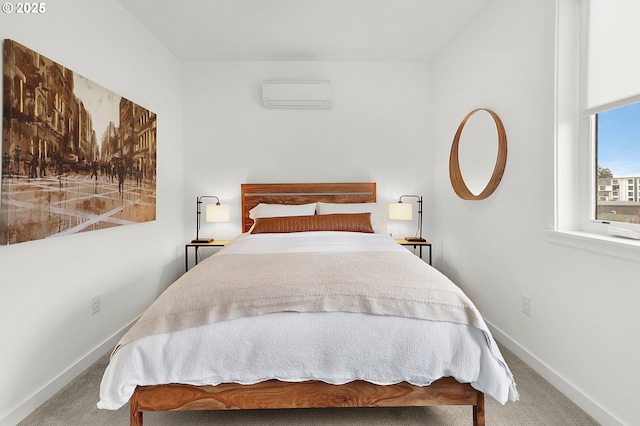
<point x="76" y="157"/>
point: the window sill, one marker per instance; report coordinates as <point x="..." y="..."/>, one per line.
<point x="612" y="246"/>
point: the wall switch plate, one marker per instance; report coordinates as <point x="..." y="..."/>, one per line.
<point x="95" y="304"/>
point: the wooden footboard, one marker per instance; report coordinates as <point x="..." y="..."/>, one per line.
<point x="311" y="394"/>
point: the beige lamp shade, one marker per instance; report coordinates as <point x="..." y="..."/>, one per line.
<point x="400" y="211"/>
<point x="217" y="213"/>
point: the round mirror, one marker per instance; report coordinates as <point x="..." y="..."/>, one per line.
<point x="480" y="149"/>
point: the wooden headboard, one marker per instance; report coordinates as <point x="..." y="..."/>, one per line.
<point x="301" y="193"/>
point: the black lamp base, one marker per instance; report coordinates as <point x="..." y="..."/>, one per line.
<point x="202" y="240"/>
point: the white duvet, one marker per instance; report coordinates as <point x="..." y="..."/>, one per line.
<point x="334" y="347"/>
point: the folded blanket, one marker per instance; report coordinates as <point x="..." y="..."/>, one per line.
<point x="240" y="285"/>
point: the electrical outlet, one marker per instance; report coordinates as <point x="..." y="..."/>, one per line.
<point x="95" y="304"/>
<point x="526" y="305"/>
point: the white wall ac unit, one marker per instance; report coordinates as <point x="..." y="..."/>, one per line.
<point x="310" y="94"/>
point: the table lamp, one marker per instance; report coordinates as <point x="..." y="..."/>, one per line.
<point x="404" y="211"/>
<point x="215" y="213"/>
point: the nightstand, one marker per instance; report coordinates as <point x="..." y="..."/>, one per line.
<point x="197" y="246"/>
<point x="415" y="244"/>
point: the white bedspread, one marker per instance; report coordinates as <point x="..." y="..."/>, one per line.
<point x="334" y="347"/>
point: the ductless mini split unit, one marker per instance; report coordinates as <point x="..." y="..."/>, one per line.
<point x="309" y="94"/>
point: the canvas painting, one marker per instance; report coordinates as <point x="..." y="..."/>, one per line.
<point x="76" y="157"/>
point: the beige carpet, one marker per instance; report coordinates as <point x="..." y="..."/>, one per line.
<point x="540" y="405"/>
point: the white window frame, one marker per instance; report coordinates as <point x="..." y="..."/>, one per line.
<point x="572" y="221"/>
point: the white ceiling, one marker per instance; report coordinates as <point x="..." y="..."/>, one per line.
<point x="325" y="30"/>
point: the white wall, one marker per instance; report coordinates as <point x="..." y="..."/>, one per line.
<point x="582" y="332"/>
<point x="380" y="129"/>
<point x="47" y="332"/>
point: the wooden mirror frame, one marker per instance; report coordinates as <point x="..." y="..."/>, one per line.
<point x="457" y="181"/>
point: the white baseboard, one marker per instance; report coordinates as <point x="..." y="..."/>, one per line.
<point x="21" y="411"/>
<point x="567" y="388"/>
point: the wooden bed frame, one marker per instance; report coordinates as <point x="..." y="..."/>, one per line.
<point x="274" y="394"/>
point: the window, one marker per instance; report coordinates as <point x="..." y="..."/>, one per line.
<point x="610" y="99"/>
<point x="597" y="118"/>
<point x="617" y="152"/>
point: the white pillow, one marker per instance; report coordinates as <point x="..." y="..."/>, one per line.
<point x="378" y="219"/>
<point x="279" y="210"/>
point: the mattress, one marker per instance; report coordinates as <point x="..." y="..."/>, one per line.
<point x="297" y="345"/>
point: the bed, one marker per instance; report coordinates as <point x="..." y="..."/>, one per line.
<point x="290" y="339"/>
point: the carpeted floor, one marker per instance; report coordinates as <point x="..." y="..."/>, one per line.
<point x="540" y="405"/>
